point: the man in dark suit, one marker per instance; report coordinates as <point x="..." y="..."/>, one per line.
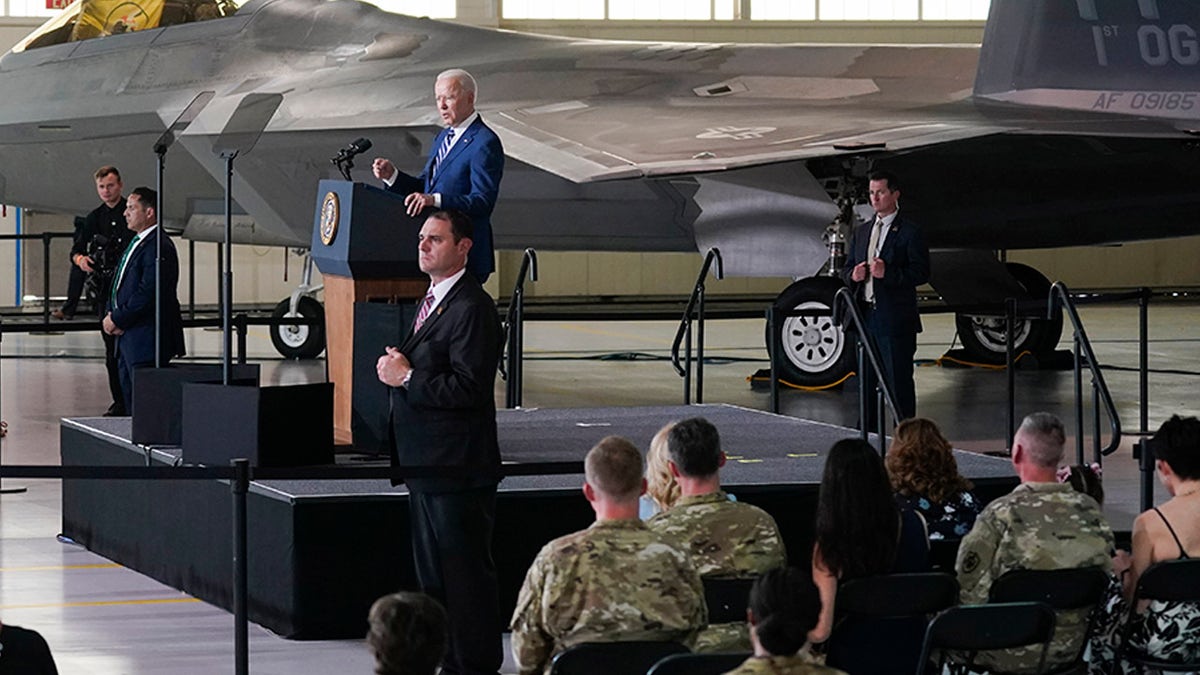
<point x="887" y="260"/>
<point x="463" y="171"/>
<point x="130" y="314"/>
<point x="443" y="413"/>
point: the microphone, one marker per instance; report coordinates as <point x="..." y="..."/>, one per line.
<point x="357" y="147"/>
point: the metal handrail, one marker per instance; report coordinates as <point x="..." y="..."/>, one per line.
<point x="512" y="365"/>
<point x="866" y="347"/>
<point x="1060" y="296"/>
<point x="695" y="304"/>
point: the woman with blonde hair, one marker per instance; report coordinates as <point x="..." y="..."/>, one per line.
<point x="661" y="489"/>
<point x="925" y="477"/>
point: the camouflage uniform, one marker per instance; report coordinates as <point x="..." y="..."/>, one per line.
<point x="616" y="580"/>
<point x="726" y="539"/>
<point x="1038" y="526"/>
<point x="783" y="665"/>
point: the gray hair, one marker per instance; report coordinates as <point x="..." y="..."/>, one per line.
<point x="1046" y="438"/>
<point x="463" y="78"/>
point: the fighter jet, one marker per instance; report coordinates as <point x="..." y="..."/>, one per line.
<point x="1074" y="123"/>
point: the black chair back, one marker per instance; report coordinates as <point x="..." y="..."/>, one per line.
<point x="898" y="594"/>
<point x="1169" y="581"/>
<point x="970" y="629"/>
<point x="727" y="599"/>
<point x="613" y="658"/>
<point x="698" y="664"/>
<point x="1077" y="588"/>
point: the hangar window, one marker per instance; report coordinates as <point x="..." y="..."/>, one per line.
<point x="87" y="19"/>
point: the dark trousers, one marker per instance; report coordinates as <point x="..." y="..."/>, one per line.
<point x="452" y="549"/>
<point x="74" y="290"/>
<point x="114" y="372"/>
<point x="896" y="354"/>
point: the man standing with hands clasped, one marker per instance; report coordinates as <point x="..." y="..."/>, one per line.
<point x="463" y="171"/>
<point x="887" y="260"/>
<point x="443" y="414"/>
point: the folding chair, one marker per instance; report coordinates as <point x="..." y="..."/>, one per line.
<point x="1170" y="580"/>
<point x="970" y="629"/>
<point x="727" y="598"/>
<point x="881" y="620"/>
<point x="1066" y="590"/>
<point x="698" y="664"/>
<point x="613" y="658"/>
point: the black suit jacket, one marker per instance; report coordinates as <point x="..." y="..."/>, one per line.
<point x="906" y="266"/>
<point x="446" y="416"/>
<point x="133" y="305"/>
<point x="469" y="181"/>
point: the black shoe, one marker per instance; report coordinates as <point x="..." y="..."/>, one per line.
<point x="116" y="410"/>
<point x="62" y="315"/>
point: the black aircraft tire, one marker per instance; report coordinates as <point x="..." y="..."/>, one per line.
<point x="812" y="351"/>
<point x="299" y="341"/>
<point x="984" y="337"/>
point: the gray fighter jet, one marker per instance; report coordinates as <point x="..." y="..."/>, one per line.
<point x="1074" y="123"/>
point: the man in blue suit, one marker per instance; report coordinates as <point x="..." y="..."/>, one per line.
<point x="463" y="171"/>
<point x="130" y="314"/>
<point x="887" y="260"/>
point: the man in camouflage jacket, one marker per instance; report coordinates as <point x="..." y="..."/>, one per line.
<point x="725" y="538"/>
<point x="615" y="581"/>
<point x="1042" y="525"/>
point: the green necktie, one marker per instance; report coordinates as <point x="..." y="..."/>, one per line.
<point x="112" y="294"/>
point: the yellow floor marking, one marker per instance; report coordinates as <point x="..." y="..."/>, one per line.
<point x="102" y="603"/>
<point x="749" y="461"/>
<point x="796" y="455"/>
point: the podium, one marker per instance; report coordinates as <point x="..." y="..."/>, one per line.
<point x="365" y="246"/>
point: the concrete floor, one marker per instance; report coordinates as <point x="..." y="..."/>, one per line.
<point x="103" y="619"/>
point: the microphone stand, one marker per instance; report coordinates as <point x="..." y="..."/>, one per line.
<point x="6" y="490"/>
<point x="344" y="164"/>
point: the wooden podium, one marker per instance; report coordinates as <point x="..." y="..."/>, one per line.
<point x="366" y="248"/>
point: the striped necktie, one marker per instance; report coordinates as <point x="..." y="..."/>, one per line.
<point x="423" y="313"/>
<point x="872" y="253"/>
<point x="443" y="151"/>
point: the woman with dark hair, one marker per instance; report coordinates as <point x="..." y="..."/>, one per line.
<point x="926" y="479"/>
<point x="1164" y="630"/>
<point x="861" y="531"/>
<point x="784" y="607"/>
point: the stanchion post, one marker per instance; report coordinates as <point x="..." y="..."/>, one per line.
<point x="46" y="278"/>
<point x="241" y="616"/>
<point x="687" y="362"/>
<point x="1144" y="359"/>
<point x="4" y="490"/>
<point x="700" y="344"/>
<point x="242" y="328"/>
<point x="1010" y="320"/>
<point x="772" y="350"/>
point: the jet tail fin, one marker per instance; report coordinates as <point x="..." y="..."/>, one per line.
<point x="1135" y="57"/>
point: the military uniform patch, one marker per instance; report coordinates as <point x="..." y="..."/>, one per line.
<point x="970" y="562"/>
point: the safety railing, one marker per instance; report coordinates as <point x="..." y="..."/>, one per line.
<point x="1060" y="297"/>
<point x="46" y="238"/>
<point x="683" y="335"/>
<point x="845" y="307"/>
<point x="512" y="366"/>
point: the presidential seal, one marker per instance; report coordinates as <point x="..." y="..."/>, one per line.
<point x="330" y="212"/>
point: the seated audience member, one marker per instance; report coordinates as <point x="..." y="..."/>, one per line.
<point x="1041" y="525"/>
<point x="661" y="489"/>
<point x="725" y="538"/>
<point x="1163" y="630"/>
<point x="784" y="607"/>
<point x="861" y="531"/>
<point x="617" y="580"/>
<point x="925" y="477"/>
<point x="24" y="652"/>
<point x="407" y="634"/>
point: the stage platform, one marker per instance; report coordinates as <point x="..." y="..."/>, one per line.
<point x="321" y="551"/>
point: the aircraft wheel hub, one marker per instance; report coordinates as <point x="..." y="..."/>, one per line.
<point x="813" y="343"/>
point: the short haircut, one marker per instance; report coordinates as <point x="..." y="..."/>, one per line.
<point x="463" y="78"/>
<point x="1177" y="442"/>
<point x="660" y="484"/>
<point x="107" y="170"/>
<point x="147" y="196"/>
<point x="695" y="447"/>
<point x="614" y="466"/>
<point x="1045" y="438"/>
<point x="893" y="183"/>
<point x="406" y="634"/>
<point x="786" y="605"/>
<point x="460" y="224"/>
